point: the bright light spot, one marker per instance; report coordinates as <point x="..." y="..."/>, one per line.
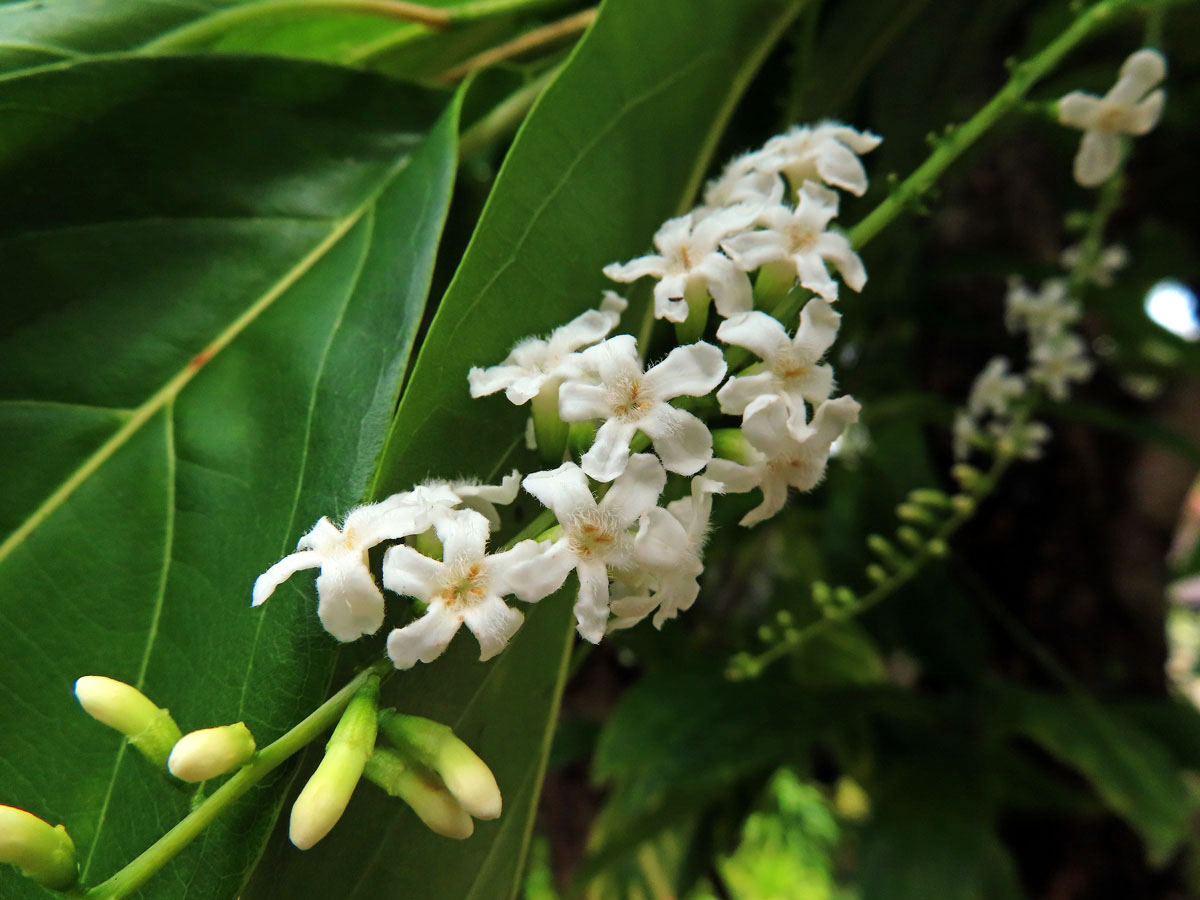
<point x="1173" y="306"/>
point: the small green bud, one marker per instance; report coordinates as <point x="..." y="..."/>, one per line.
<point x="328" y="791"/>
<point x="821" y="594"/>
<point x="963" y="504"/>
<point x="580" y="437"/>
<point x="43" y="853"/>
<point x="766" y="634"/>
<point x="877" y="573"/>
<point x="209" y="752"/>
<point x="910" y="512"/>
<point x="731" y="444"/>
<point x="967" y="476"/>
<point x="124" y="708"/>
<point x="784" y="618"/>
<point x="929" y="497"/>
<point x="938" y="548"/>
<point x="883" y="548"/>
<point x="422" y="790"/>
<point x="434" y="746"/>
<point x="910" y="537"/>
<point x="845" y="597"/>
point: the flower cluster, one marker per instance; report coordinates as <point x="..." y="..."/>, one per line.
<point x="630" y="523"/>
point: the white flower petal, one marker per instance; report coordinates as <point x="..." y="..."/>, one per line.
<point x="812" y="274"/>
<point x="728" y="284"/>
<point x="836" y="247"/>
<point x="350" y="602"/>
<point x="410" y="573"/>
<point x="669" y="303"/>
<point x="774" y="493"/>
<point x="1079" y="110"/>
<point x="741" y="390"/>
<point x="1141" y="72"/>
<point x="493" y="622"/>
<point x="609" y="453"/>
<point x="425" y="639"/>
<point x="591" y="607"/>
<point x="1145" y="115"/>
<point x="488" y="381"/>
<point x="531" y="570"/>
<point x="682" y="441"/>
<point x="637" y="489"/>
<point x="265" y="584"/>
<point x="579" y="402"/>
<point x="756" y="248"/>
<point x="463" y="534"/>
<point x="564" y="490"/>
<point x="641" y="267"/>
<point x="661" y="543"/>
<point x="758" y="332"/>
<point x="765" y="426"/>
<point x="734" y="478"/>
<point x="691" y="370"/>
<point x="1098" y="157"/>
<point x="818" y="329"/>
<point x="839" y="166"/>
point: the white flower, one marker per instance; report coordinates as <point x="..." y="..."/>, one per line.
<point x="743" y="182"/>
<point x="483" y="498"/>
<point x="689" y="256"/>
<point x="783" y="459"/>
<point x="630" y="400"/>
<point x="350" y="604"/>
<point x="464" y="587"/>
<point x="791" y="366"/>
<point x="1046" y="312"/>
<point x="1022" y="439"/>
<point x="537" y="363"/>
<point x="966" y="434"/>
<point x="599" y="536"/>
<point x="1112" y="259"/>
<point x="1126" y="109"/>
<point x="798" y="236"/>
<point x="827" y="152"/>
<point x="1059" y="361"/>
<point x="674" y="560"/>
<point x="995" y="389"/>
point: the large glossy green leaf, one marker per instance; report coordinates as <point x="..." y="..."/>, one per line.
<point x="617" y="143"/>
<point x="214" y="270"/>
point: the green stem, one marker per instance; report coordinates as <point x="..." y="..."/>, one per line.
<point x="1092" y="246"/>
<point x="162" y="851"/>
<point x="506" y="117"/>
<point x="959" y="138"/>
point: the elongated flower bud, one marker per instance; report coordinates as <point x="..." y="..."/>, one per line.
<point x="123" y="707"/>
<point x="204" y="754"/>
<point x="42" y="852"/>
<point x="422" y="790"/>
<point x="434" y="746"/>
<point x="324" y="798"/>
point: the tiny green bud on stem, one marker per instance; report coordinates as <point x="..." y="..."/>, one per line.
<point x="821" y="594"/>
<point x="845" y="597"/>
<point x="434" y="746"/>
<point x="210" y="752"/>
<point x="910" y="512"/>
<point x="964" y="504"/>
<point x="967" y="476"/>
<point x="877" y="573"/>
<point x="730" y="443"/>
<point x="910" y="537"/>
<point x="43" y="853"/>
<point x="929" y="497"/>
<point x="324" y="798"/>
<point x="420" y="789"/>
<point x="123" y="707"/>
<point x="883" y="548"/>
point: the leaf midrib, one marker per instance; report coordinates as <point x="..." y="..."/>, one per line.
<point x="141" y="414"/>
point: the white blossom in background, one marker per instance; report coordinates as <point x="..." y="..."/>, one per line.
<point x="965" y="434"/>
<point x="537" y="363"/>
<point x="620" y="532"/>
<point x="483" y="498"/>
<point x="464" y="588"/>
<point x="350" y="603"/>
<point x="828" y="152"/>
<point x="1046" y="311"/>
<point x="1057" y="362"/>
<point x="689" y="258"/>
<point x="742" y="183"/>
<point x="798" y="236"/>
<point x="781" y="459"/>
<point x="790" y="366"/>
<point x="1112" y="259"/>
<point x="611" y="385"/>
<point x="995" y="389"/>
<point x="1131" y="107"/>
<point x="1025" y="439"/>
<point x="673" y="554"/>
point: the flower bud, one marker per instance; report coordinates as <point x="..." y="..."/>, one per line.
<point x="324" y="798"/>
<point x="731" y="444"/>
<point x="121" y="706"/>
<point x="424" y="791"/>
<point x="42" y="852"/>
<point x="434" y="746"/>
<point x="210" y="752"/>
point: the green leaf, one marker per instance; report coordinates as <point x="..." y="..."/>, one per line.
<point x="214" y="271"/>
<point x="1131" y="772"/>
<point x="618" y="143"/>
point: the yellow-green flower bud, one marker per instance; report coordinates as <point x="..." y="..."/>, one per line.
<point x="424" y="791"/>
<point x="209" y="752"/>
<point x="434" y="746"/>
<point x="121" y="706"/>
<point x="42" y="852"/>
<point x="324" y="798"/>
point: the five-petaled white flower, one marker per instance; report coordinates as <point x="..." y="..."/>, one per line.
<point x="1042" y="313"/>
<point x="611" y="385"/>
<point x="828" y="151"/>
<point x="689" y="258"/>
<point x="1125" y="109"/>
<point x="350" y="603"/>
<point x="798" y="236"/>
<point x="742" y="182"/>
<point x="599" y="536"/>
<point x="779" y="459"/>
<point x="995" y="389"/>
<point x="537" y="363"/>
<point x="791" y="366"/>
<point x="1058" y="361"/>
<point x="465" y="587"/>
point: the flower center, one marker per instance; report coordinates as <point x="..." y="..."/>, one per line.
<point x="629" y="399"/>
<point x="801" y="238"/>
<point x="465" y="584"/>
<point x="789" y="365"/>
<point x="1111" y="117"/>
<point x="594" y="534"/>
